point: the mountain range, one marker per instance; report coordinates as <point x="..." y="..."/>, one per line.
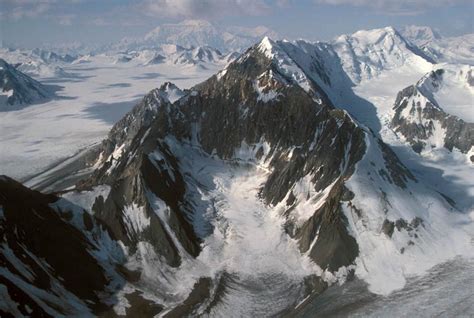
<point x="458" y="49"/>
<point x="250" y="193"/>
<point x="195" y="33"/>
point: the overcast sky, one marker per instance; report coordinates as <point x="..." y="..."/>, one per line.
<point x="31" y="23"/>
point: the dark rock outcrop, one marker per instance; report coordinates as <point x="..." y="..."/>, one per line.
<point x="46" y="257"/>
<point x="417" y="116"/>
<point x="251" y="103"/>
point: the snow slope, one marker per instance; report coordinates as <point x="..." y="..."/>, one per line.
<point x="386" y="260"/>
<point x="390" y="64"/>
<point x="445" y="290"/>
<point x="271" y="268"/>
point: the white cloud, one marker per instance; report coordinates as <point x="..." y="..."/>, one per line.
<point x="402" y="7"/>
<point x="99" y="22"/>
<point x="66" y="19"/>
<point x="203" y="8"/>
<point x="20" y="9"/>
<point x="27" y="10"/>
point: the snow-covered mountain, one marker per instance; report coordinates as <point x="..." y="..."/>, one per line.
<point x="421" y="119"/>
<point x="420" y="35"/>
<point x="245" y="195"/>
<point x="37" y="62"/>
<point x="37" y="55"/>
<point x="52" y="57"/>
<point x="174" y="54"/>
<point x="40" y="69"/>
<point x="198" y="33"/>
<point x="458" y="49"/>
<point x="365" y="54"/>
<point x="18" y="89"/>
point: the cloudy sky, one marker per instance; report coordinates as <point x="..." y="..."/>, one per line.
<point x="35" y="22"/>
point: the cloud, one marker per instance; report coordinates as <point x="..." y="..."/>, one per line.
<point x="395" y="7"/>
<point x="99" y="22"/>
<point x="20" y="9"/>
<point x="66" y="19"/>
<point x="27" y="10"/>
<point x="283" y="3"/>
<point x="206" y="9"/>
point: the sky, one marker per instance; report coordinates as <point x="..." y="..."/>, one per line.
<point x="35" y="23"/>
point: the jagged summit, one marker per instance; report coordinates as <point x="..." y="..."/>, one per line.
<point x="170" y="92"/>
<point x="266" y="43"/>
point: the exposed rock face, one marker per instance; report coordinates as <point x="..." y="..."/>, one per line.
<point x="420" y="119"/>
<point x="318" y="139"/>
<point x="470" y="78"/>
<point x="136" y="169"/>
<point x="48" y="250"/>
<point x="17" y="88"/>
<point x="252" y="103"/>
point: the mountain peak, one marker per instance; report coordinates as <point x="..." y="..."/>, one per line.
<point x="375" y="35"/>
<point x="267" y="46"/>
<point x="171" y="92"/>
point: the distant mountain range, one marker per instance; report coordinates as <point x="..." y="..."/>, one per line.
<point x="196" y="33"/>
<point x="174" y="54"/>
<point x="457" y="49"/>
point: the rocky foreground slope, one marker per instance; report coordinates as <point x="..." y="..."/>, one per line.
<point x="241" y="196"/>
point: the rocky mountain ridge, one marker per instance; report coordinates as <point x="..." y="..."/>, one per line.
<point x="423" y="122"/>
